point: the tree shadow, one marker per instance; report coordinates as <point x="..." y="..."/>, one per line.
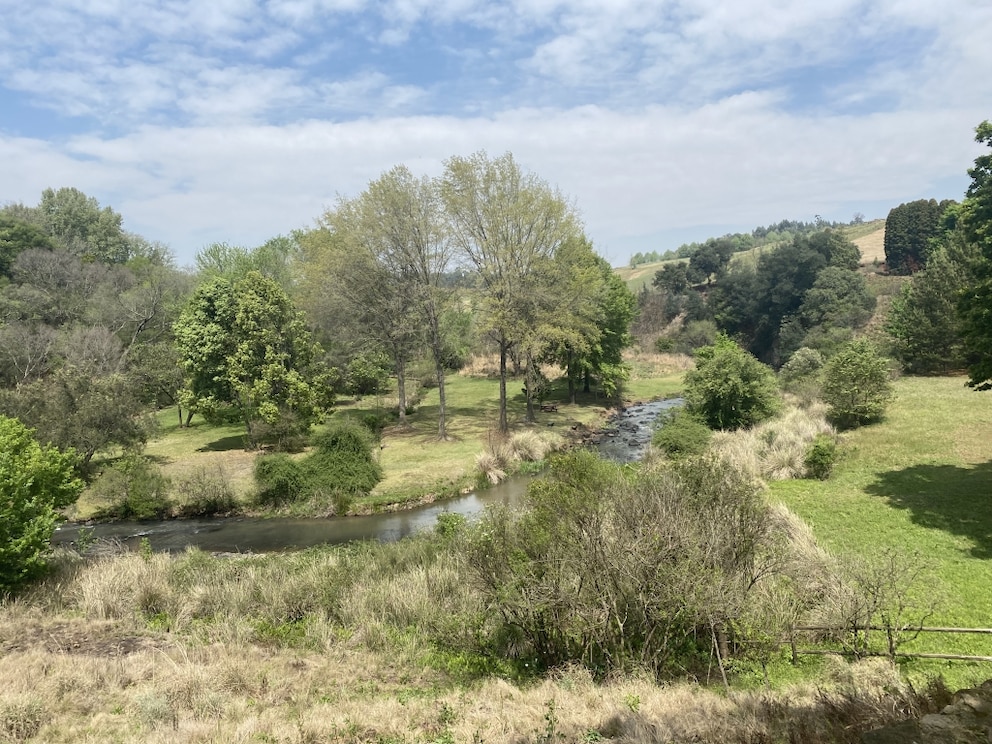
<point x="955" y="499"/>
<point x="224" y="444"/>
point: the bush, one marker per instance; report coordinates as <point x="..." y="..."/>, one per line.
<point x="132" y="488"/>
<point x="856" y="385"/>
<point x="730" y="388"/>
<point x="203" y="493"/>
<point x="803" y="365"/>
<point x="340" y="467"/>
<point x="35" y="482"/>
<point x="618" y="570"/>
<point x="820" y="457"/>
<point x="279" y="479"/>
<point x="681" y="434"/>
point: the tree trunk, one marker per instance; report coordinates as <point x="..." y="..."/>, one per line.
<point x="585" y="382"/>
<point x="442" y="431"/>
<point x="529" y="386"/>
<point x="504" y="427"/>
<point x="401" y="391"/>
<point x="570" y="373"/>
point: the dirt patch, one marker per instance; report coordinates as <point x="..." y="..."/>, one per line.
<point x="85" y="637"/>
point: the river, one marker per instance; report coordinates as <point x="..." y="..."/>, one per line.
<point x="623" y="439"/>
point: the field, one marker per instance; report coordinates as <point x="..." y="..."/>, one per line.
<point x="332" y="644"/>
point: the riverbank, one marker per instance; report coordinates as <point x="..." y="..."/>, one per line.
<point x="417" y="467"/>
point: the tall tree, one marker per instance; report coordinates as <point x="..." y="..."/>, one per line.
<point x="243" y="343"/>
<point x="909" y="230"/>
<point x="78" y="223"/>
<point x="508" y="224"/>
<point x="975" y="305"/>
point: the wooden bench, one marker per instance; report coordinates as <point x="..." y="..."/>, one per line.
<point x="549" y="408"/>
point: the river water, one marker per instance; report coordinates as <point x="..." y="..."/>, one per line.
<point x="623" y="439"/>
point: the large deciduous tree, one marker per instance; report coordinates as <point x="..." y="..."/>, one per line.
<point x="242" y="343"/>
<point x="508" y="224"/>
<point x="909" y="230"/>
<point x="394" y="249"/>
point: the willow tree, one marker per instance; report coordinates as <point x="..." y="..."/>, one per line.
<point x="508" y="224"/>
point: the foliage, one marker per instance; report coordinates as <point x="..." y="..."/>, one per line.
<point x="72" y="409"/>
<point x="203" y="493"/>
<point x="132" y="488"/>
<point x="909" y="231"/>
<point x="681" y="434"/>
<point x="617" y="572"/>
<point x="367" y="373"/>
<point x="821" y="457"/>
<point x="340" y="467"/>
<point x="243" y="343"/>
<point x="78" y="224"/>
<point x="803" y="365"/>
<point x="17" y="236"/>
<point x="975" y="303"/>
<point x="856" y="385"/>
<point x="729" y="388"/>
<point x="923" y="320"/>
<point x="757" y="304"/>
<point x="35" y="482"/>
<point x="279" y="479"/>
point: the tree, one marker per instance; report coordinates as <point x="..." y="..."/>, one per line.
<point x="509" y="225"/>
<point x="923" y="321"/>
<point x="975" y="303"/>
<point x="78" y="224"/>
<point x="729" y="388"/>
<point x="35" y="482"/>
<point x="74" y="409"/>
<point x="672" y="278"/>
<point x="243" y="344"/>
<point x="909" y="230"/>
<point x="397" y="229"/>
<point x="856" y="385"/>
<point x="17" y="236"/>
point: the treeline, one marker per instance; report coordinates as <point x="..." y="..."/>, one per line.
<point x="98" y="326"/>
<point x="740" y="242"/>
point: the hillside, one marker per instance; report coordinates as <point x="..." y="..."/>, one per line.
<point x="868" y="236"/>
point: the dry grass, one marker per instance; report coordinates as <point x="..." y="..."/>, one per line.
<point x="775" y="449"/>
<point x="872" y="244"/>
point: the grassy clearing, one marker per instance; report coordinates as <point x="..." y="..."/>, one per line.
<point x="918" y="484"/>
<point x="416" y="465"/>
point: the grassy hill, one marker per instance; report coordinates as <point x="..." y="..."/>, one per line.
<point x="868" y="236"/>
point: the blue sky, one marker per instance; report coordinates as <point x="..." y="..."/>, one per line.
<point x="664" y="120"/>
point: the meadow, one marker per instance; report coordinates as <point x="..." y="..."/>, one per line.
<point x="377" y="643"/>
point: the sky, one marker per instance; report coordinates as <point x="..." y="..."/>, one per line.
<point x="663" y="121"/>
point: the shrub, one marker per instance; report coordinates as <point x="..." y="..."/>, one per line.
<point x="730" y="388"/>
<point x="856" y="385"/>
<point x="279" y="479"/>
<point x="616" y="570"/>
<point x="820" y="457"/>
<point x="35" y="482"/>
<point x="805" y="364"/>
<point x="203" y="493"/>
<point x="132" y="488"/>
<point x="681" y="434"/>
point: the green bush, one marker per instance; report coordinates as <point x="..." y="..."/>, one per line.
<point x="132" y="488"/>
<point x="279" y="479"/>
<point x="681" y="434"/>
<point x="856" y="385"/>
<point x="730" y="388"/>
<point x="35" y="482"/>
<point x="821" y="457"/>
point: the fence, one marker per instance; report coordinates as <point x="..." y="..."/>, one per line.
<point x="890" y="633"/>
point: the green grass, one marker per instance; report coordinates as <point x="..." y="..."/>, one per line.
<point x="920" y="484"/>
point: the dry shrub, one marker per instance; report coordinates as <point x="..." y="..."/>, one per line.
<point x="532" y="446"/>
<point x="657" y="364"/>
<point x="775" y="449"/>
<point x="481" y="365"/>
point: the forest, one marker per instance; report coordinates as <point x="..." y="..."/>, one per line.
<point x="791" y="501"/>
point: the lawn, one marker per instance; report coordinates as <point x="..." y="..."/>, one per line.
<point x="919" y="484"/>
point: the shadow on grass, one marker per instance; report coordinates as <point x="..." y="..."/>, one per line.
<point x="224" y="444"/>
<point x="955" y="499"/>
